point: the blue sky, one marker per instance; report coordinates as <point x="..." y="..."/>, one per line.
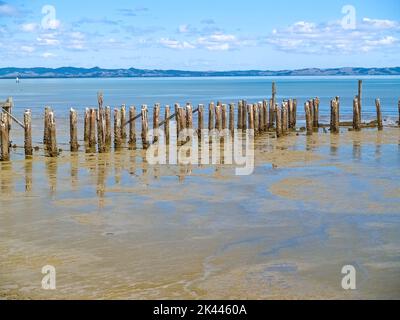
<point x="200" y="35"/>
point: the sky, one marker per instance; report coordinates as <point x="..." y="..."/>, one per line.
<point x="200" y="34"/>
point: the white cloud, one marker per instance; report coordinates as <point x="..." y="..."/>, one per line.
<point x="29" y="27"/>
<point x="175" y="44"/>
<point x="48" y="39"/>
<point x="308" y="37"/>
<point x="27" y="49"/>
<point x="7" y="10"/>
<point x="47" y="55"/>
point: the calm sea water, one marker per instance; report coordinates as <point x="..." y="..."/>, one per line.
<point x="62" y="94"/>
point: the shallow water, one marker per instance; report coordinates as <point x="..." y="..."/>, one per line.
<point x="117" y="227"/>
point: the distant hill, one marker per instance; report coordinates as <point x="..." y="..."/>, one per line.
<point x="71" y="72"/>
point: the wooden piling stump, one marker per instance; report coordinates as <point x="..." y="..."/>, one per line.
<point x="145" y="127"/>
<point x="272" y="112"/>
<point x="315" y="113"/>
<point x="255" y="118"/>
<point x="86" y="125"/>
<point x="218" y="117"/>
<point x="92" y="129"/>
<point x="285" y="118"/>
<point x="46" y="126"/>
<point x="211" y="111"/>
<point x="240" y="114"/>
<point x="73" y="130"/>
<point x="356" y="115"/>
<point x="4" y="138"/>
<point x="189" y="116"/>
<point x="200" y="123"/>
<point x="294" y="114"/>
<point x="265" y="115"/>
<point x="379" y="114"/>
<point x="250" y="114"/>
<point x="28" y="133"/>
<point x="231" y="117"/>
<point x="123" y="122"/>
<point x="101" y="128"/>
<point x="244" y="115"/>
<point x="107" y="116"/>
<point x="117" y="129"/>
<point x="359" y="100"/>
<point x="307" y="109"/>
<point x="52" y="142"/>
<point x="224" y="117"/>
<point x="334" y="127"/>
<point x="278" y="121"/>
<point x="132" y="128"/>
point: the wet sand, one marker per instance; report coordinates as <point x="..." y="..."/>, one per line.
<point x="115" y="227"/>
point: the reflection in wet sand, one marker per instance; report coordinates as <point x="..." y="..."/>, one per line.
<point x="115" y="226"/>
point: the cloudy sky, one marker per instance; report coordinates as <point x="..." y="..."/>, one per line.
<point x="200" y="34"/>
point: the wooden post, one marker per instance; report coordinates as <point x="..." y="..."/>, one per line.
<point x="28" y="133"/>
<point x="250" y="116"/>
<point x="52" y="143"/>
<point x="294" y="115"/>
<point x="244" y="115"/>
<point x="272" y="113"/>
<point x="73" y="130"/>
<point x="260" y="117"/>
<point x="278" y="119"/>
<point x="240" y="114"/>
<point x="398" y="106"/>
<point x="182" y="119"/>
<point x="265" y="115"/>
<point x="156" y="121"/>
<point x="334" y="127"/>
<point x="123" y="122"/>
<point x="307" y="109"/>
<point x="316" y="113"/>
<point x="86" y="125"/>
<point x="101" y="138"/>
<point x="46" y="126"/>
<point x="145" y="127"/>
<point x="107" y="115"/>
<point x="189" y="116"/>
<point x="4" y="138"/>
<point x="200" y="123"/>
<point x="92" y="129"/>
<point x="117" y="129"/>
<point x="218" y="118"/>
<point x="285" y="118"/>
<point x="255" y="118"/>
<point x="176" y="109"/>
<point x="224" y="115"/>
<point x="379" y="114"/>
<point x="167" y="115"/>
<point x="231" y="117"/>
<point x="211" y="110"/>
<point x="359" y="100"/>
<point x="356" y="115"/>
<point x="132" y="128"/>
<point x="273" y="93"/>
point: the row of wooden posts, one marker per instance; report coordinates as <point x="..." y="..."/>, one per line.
<point x="265" y="116"/>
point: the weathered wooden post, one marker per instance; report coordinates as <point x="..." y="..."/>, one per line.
<point x="145" y="127"/>
<point x="398" y="106"/>
<point x="294" y="115"/>
<point x="52" y="143"/>
<point x="379" y="114"/>
<point x="240" y="114"/>
<point x="211" y="111"/>
<point x="218" y="118"/>
<point x="273" y="93"/>
<point x="117" y="129"/>
<point x="224" y="120"/>
<point x="256" y="118"/>
<point x="334" y="126"/>
<point x="167" y="115"/>
<point x="272" y="112"/>
<point x="73" y="130"/>
<point x="4" y="138"/>
<point x="107" y="115"/>
<point x="307" y="109"/>
<point x="46" y="126"/>
<point x="316" y="113"/>
<point x="92" y="131"/>
<point x="231" y="117"/>
<point x="260" y="117"/>
<point x="265" y="115"/>
<point x="200" y="123"/>
<point x="250" y="116"/>
<point x="278" y="119"/>
<point x="359" y="100"/>
<point x="244" y="115"/>
<point x="156" y="121"/>
<point x="182" y="118"/>
<point x="86" y="128"/>
<point x="356" y="115"/>
<point x="132" y="128"/>
<point x="101" y="138"/>
<point x="28" y="133"/>
<point x="285" y="118"/>
<point x="189" y="116"/>
<point x="123" y="121"/>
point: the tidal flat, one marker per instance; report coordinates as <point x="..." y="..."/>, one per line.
<point x="115" y="227"/>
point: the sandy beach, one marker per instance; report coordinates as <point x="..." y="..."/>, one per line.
<point x="116" y="227"/>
